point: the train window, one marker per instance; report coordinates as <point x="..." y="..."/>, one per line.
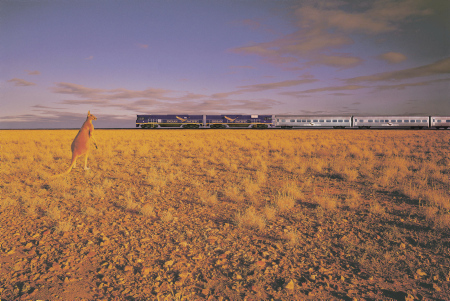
<point x="303" y="120"/>
<point x="413" y="121"/>
<point x="399" y="120"/>
<point x="376" y="120"/>
<point x="424" y="121"/>
<point x="339" y="120"/>
<point x="278" y="120"/>
<point x="334" y="120"/>
<point x="370" y="120"/>
<point x="406" y="121"/>
<point x="346" y="121"/>
<point x="392" y="120"/>
<point x="447" y="121"/>
<point x="283" y="120"/>
<point x="439" y="120"/>
<point x="328" y="120"/>
<point x="315" y="120"/>
<point x="308" y="120"/>
<point x="321" y="120"/>
<point x="292" y="120"/>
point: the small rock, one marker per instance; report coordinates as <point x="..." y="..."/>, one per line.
<point x="168" y="263"/>
<point x="128" y="268"/>
<point x="420" y="273"/>
<point x="290" y="286"/>
<point x="145" y="271"/>
<point x="261" y="263"/>
<point x="436" y="287"/>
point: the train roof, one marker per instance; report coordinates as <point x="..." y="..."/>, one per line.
<point x="390" y="116"/>
<point x="310" y="116"/>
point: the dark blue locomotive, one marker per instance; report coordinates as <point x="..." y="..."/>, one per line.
<point x="204" y="121"/>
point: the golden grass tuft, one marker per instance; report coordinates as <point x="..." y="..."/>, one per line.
<point x="167" y="216"/>
<point x="352" y="199"/>
<point x="148" y="210"/>
<point x="89" y="211"/>
<point x="270" y="212"/>
<point x="208" y="198"/>
<point x="64" y="226"/>
<point x="250" y="219"/>
<point x="284" y="203"/>
<point x="233" y="193"/>
<point x="292" y="237"/>
<point x="6" y="202"/>
<point x="53" y="213"/>
<point x="376" y="208"/>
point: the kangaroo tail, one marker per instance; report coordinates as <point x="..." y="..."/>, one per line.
<point x="68" y="170"/>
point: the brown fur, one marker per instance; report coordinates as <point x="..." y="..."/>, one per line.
<point x="80" y="145"/>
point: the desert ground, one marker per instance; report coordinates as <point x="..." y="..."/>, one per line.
<point x="226" y="215"/>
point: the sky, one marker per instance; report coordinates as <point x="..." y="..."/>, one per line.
<point x="61" y="58"/>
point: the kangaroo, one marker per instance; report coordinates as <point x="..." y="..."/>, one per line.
<point x="80" y="145"/>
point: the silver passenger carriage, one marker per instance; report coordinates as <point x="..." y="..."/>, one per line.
<point x="440" y="122"/>
<point x="366" y="122"/>
<point x="302" y="121"/>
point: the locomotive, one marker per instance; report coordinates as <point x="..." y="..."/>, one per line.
<point x="186" y="121"/>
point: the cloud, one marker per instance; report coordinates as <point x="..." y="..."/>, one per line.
<point x="21" y="82"/>
<point x="264" y="87"/>
<point x="392" y="57"/>
<point x="162" y="100"/>
<point x="62" y="119"/>
<point x="276" y="85"/>
<point x="77" y="90"/>
<point x="36" y="72"/>
<point x="89" y="58"/>
<point x="418" y="84"/>
<point x="325" y="89"/>
<point x="338" y="61"/>
<point x="436" y="68"/>
<point x="322" y="27"/>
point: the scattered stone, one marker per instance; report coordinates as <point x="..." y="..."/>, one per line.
<point x="168" y="263"/>
<point x="436" y="287"/>
<point x="420" y="273"/>
<point x="290" y="286"/>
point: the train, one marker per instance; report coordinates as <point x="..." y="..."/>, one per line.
<point x="187" y="121"/>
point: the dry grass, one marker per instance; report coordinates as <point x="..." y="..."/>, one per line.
<point x="250" y="219"/>
<point x="148" y="210"/>
<point x="63" y="226"/>
<point x="232" y="200"/>
<point x="284" y="202"/>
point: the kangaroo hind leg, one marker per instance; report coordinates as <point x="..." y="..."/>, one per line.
<point x="85" y="161"/>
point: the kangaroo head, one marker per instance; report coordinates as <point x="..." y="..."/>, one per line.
<point x="90" y="116"/>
